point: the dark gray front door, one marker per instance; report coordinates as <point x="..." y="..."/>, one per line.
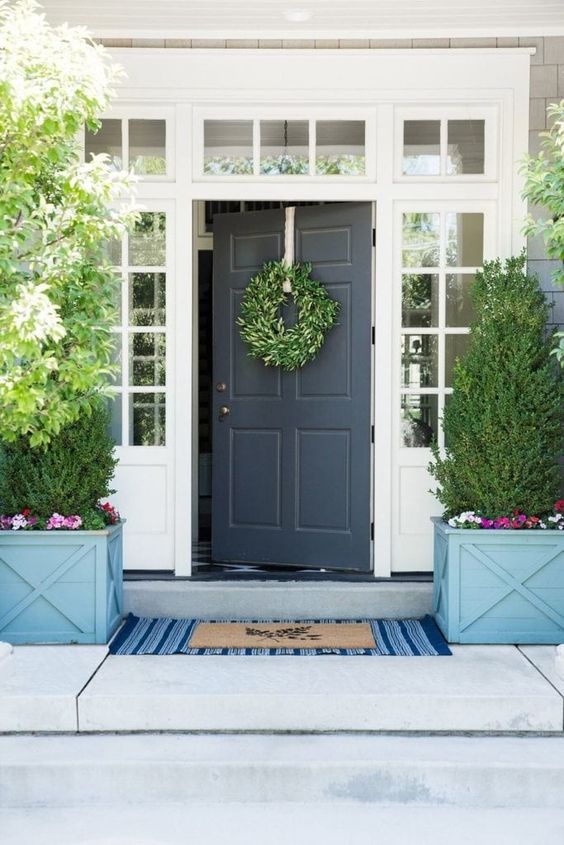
<point x="291" y="460"/>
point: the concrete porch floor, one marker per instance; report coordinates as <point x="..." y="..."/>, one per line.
<point x="479" y="689"/>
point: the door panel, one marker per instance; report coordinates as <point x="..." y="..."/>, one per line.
<point x="291" y="461"/>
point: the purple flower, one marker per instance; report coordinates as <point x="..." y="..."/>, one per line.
<point x="486" y="523"/>
<point x="5" y="522"/>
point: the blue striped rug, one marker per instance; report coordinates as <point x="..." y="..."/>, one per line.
<point x="393" y="637"/>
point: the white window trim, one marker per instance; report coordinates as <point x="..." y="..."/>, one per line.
<point x="372" y="82"/>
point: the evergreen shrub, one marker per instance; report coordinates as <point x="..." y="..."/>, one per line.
<point x="502" y="424"/>
<point x="69" y="476"/>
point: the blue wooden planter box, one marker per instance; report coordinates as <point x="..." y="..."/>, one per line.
<point x="499" y="586"/>
<point x="60" y="586"/>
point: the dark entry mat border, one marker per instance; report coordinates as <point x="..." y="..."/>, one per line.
<point x="166" y="636"/>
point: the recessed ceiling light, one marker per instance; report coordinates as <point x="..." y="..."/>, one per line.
<point x="298" y="15"/>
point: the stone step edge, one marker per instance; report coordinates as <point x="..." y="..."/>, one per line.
<point x="463" y="771"/>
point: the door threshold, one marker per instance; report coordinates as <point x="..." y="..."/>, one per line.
<point x="217" y="573"/>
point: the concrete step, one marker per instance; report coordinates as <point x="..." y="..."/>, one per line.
<point x="94" y="771"/>
<point x="479" y="688"/>
<point x="278" y="599"/>
<point x="306" y="824"/>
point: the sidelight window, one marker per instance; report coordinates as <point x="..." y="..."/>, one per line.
<point x="441" y="251"/>
<point x="139" y="408"/>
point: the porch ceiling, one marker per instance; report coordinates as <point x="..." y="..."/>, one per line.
<point x="310" y="19"/>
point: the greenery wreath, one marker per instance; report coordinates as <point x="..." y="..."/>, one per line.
<point x="264" y="330"/>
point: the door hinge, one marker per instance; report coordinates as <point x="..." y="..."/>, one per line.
<point x="372" y="434"/>
<point x="373" y="237"/>
<point x="373" y="335"/>
<point x="371" y="530"/>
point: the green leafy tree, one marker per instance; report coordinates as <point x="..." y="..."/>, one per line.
<point x="544" y="187"/>
<point x="58" y="293"/>
<point x="502" y="424"/>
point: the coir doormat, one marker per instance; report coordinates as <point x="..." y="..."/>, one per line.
<point x="373" y="637"/>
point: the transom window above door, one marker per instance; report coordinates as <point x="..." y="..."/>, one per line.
<point x="284" y="147"/>
<point x="137" y="144"/>
<point x="453" y="144"/>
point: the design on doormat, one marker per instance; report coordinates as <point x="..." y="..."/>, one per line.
<point x="372" y="637"/>
<point x="323" y="635"/>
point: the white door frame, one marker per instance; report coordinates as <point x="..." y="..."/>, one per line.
<point x="376" y="84"/>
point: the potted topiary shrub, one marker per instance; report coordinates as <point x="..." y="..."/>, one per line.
<point x="499" y="549"/>
<point x="60" y="544"/>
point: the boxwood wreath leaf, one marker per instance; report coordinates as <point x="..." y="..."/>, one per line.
<point x="264" y="330"/>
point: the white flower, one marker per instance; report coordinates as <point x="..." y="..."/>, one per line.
<point x="34" y="316"/>
<point x="18" y="521"/>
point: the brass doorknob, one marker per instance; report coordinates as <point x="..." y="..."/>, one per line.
<point x="224" y="411"/>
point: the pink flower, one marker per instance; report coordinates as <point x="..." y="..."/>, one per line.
<point x="57" y="520"/>
<point x="486" y="523"/>
<point x="5" y="522"/>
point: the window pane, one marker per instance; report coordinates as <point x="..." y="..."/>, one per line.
<point x="456" y="346"/>
<point x="421" y="147"/>
<point x="112" y="250"/>
<point x="284" y="147"/>
<point x="419" y="360"/>
<point x="147" y="147"/>
<point x="459" y="310"/>
<point x="465" y="146"/>
<point x="147" y="359"/>
<point x="115" y="316"/>
<point x="419" y="420"/>
<point x="228" y="146"/>
<point x="115" y="408"/>
<point x="147" y="241"/>
<point x="420" y="300"/>
<point x="147" y="417"/>
<point x="116" y="358"/>
<point x="420" y="240"/>
<point x="147" y="297"/>
<point x="106" y="140"/>
<point x="340" y="148"/>
<point x="465" y="239"/>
